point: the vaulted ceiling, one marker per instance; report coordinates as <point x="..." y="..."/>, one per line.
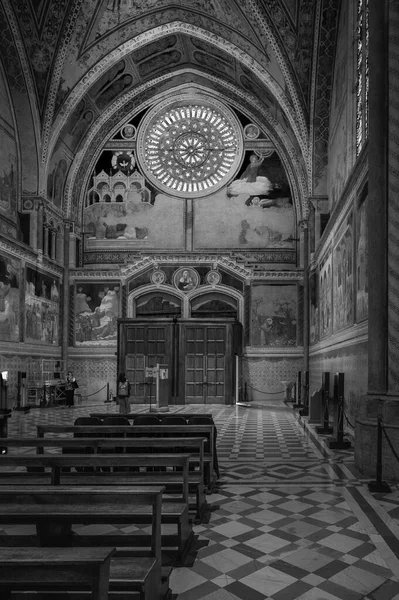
<point x="107" y="60"/>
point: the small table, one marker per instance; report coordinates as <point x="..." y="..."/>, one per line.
<point x="40" y="569"/>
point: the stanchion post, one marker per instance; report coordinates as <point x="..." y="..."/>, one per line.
<point x="325" y="387"/>
<point x="304" y="412"/>
<point x="337" y="441"/>
<point x="107" y="396"/>
<point x="378" y="485"/>
<point x="298" y="403"/>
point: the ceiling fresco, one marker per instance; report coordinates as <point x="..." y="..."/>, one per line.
<point x="94" y="63"/>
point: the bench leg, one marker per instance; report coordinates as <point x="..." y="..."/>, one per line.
<point x="201" y="502"/>
<point x="100" y="584"/>
<point x="184" y="534"/>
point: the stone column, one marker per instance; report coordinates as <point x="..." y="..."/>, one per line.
<point x="39" y="228"/>
<point x="45" y="241"/>
<point x="65" y="298"/>
<point x="53" y="245"/>
<point x="392" y="66"/>
<point x="377" y="202"/>
<point x="59" y="254"/>
<point x="383" y="244"/>
<point x="305" y="295"/>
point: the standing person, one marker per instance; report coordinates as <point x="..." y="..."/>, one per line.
<point x="70" y="386"/>
<point x="123" y="394"/>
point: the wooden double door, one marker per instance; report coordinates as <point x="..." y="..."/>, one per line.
<point x="199" y="357"/>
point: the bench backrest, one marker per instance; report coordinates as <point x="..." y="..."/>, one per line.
<point x="74" y="496"/>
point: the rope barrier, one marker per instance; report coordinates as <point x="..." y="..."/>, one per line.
<point x="94" y="393"/>
<point x="263" y="392"/>
<point x="389" y="442"/>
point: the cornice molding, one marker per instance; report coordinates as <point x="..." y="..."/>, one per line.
<point x="20" y="251"/>
<point x="357" y="334"/>
<point x="274" y="352"/>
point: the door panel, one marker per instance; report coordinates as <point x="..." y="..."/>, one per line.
<point x="199" y="356"/>
<point x="145" y="347"/>
<point x="205" y="364"/>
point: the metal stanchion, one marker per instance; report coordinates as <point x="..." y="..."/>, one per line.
<point x="337" y="441"/>
<point x="107" y="399"/>
<point x="298" y="403"/>
<point x="378" y="485"/>
<point x="304" y="412"/>
<point x="325" y="386"/>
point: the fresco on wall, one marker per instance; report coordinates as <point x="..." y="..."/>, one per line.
<point x="9" y="299"/>
<point x="274" y="315"/>
<point x="42" y="308"/>
<point x="254" y="211"/>
<point x="325" y="295"/>
<point x="314" y="333"/>
<point x="97" y="308"/>
<point x="343" y="277"/>
<point x="8" y="175"/>
<point x="123" y="208"/>
<point x="56" y="179"/>
<point x="362" y="297"/>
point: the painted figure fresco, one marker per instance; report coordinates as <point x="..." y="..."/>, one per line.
<point x="97" y="308"/>
<point x="325" y="294"/>
<point x="9" y="299"/>
<point x="274" y="315"/>
<point x="343" y="278"/>
<point x="42" y="308"/>
<point x="254" y="211"/>
<point x="56" y="182"/>
<point x="362" y="297"/>
<point x="314" y="333"/>
<point x="124" y="208"/>
<point x="8" y="176"/>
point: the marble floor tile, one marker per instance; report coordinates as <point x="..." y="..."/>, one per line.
<point x="281" y="524"/>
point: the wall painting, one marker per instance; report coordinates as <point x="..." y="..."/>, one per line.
<point x="97" y="308"/>
<point x="343" y="276"/>
<point x="8" y="175"/>
<point x="274" y="311"/>
<point x="42" y="308"/>
<point x="9" y="298"/>
<point x="325" y="294"/>
<point x="254" y="211"/>
<point x="362" y="296"/>
<point x="314" y="323"/>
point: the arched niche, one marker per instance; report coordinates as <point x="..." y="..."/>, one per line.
<point x="214" y="304"/>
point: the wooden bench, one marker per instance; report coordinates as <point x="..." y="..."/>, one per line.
<point x="174" y="511"/>
<point x="207" y="431"/>
<point x="174" y="481"/>
<point x="55" y="510"/>
<point x="38" y="569"/>
<point x="161" y="415"/>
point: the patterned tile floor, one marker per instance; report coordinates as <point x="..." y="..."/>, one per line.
<point x="288" y="519"/>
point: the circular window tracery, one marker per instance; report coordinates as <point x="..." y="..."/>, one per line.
<point x="190" y="148"/>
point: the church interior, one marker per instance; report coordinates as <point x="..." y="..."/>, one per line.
<point x="265" y="133"/>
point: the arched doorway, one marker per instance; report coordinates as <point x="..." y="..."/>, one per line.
<point x="198" y="351"/>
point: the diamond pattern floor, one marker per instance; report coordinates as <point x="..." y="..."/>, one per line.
<point x="287" y="520"/>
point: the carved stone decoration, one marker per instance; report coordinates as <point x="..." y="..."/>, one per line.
<point x="186" y="279"/>
<point x="213" y="278"/>
<point x="190" y="147"/>
<point x="158" y="277"/>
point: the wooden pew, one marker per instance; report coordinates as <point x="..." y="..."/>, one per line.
<point x="161" y="416"/>
<point x="54" y="509"/>
<point x="174" y="512"/>
<point x="38" y="569"/>
<point x="208" y="431"/>
<point x="173" y="481"/>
